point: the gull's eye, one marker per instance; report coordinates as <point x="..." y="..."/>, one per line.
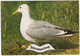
<point x="20" y="7"/>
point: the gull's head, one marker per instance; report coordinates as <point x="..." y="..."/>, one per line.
<point x="22" y="8"/>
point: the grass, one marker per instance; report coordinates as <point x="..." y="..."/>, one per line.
<point x="61" y="13"/>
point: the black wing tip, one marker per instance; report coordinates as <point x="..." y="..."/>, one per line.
<point x="68" y="31"/>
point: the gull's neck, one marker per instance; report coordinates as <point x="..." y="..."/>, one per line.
<point x="25" y="20"/>
<point x="26" y="14"/>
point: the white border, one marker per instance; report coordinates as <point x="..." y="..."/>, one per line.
<point x="39" y="0"/>
<point x="79" y="27"/>
<point x="0" y="27"/>
<point x="38" y="55"/>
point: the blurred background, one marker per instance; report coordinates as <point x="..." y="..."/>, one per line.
<point x="60" y="13"/>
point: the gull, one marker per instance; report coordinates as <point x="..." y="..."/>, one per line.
<point x="35" y="29"/>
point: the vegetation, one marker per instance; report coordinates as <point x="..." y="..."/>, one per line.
<point x="61" y="13"/>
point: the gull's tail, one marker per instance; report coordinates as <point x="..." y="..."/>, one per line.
<point x="66" y="32"/>
<point x="70" y="33"/>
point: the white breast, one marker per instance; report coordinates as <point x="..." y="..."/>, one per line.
<point x="24" y="27"/>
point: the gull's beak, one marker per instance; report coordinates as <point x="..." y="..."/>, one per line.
<point x="14" y="12"/>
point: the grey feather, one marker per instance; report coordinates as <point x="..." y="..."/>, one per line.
<point x="41" y="29"/>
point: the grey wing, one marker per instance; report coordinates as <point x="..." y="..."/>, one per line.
<point x="41" y="29"/>
<point x="41" y="24"/>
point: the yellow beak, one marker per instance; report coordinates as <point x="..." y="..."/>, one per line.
<point x="14" y="12"/>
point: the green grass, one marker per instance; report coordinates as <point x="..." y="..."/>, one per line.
<point x="64" y="14"/>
